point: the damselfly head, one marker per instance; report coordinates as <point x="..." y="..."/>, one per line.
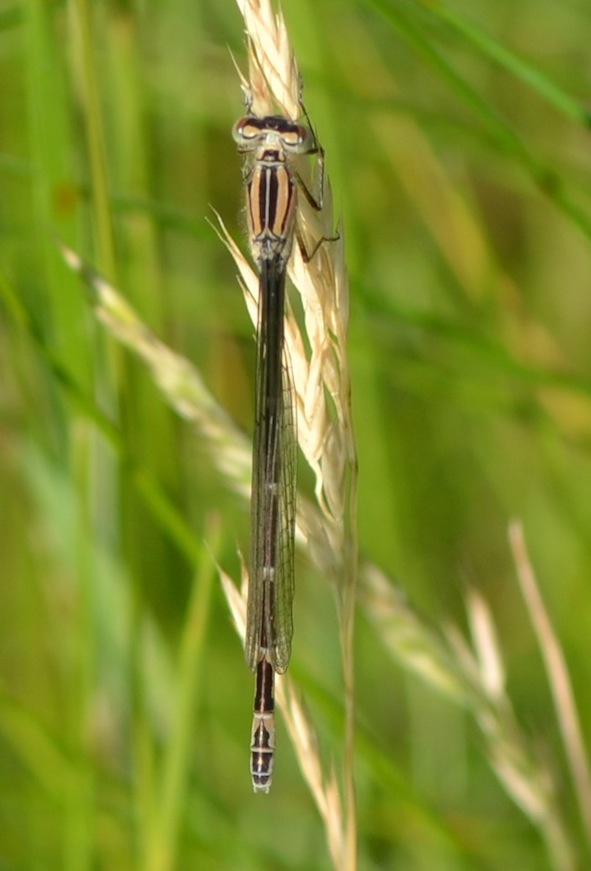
<point x="274" y="131"/>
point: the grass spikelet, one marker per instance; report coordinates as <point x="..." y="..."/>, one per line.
<point x="558" y="677"/>
<point x="180" y="381"/>
<point x="473" y="676"/>
<point x="320" y="377"/>
<point x="273" y="78"/>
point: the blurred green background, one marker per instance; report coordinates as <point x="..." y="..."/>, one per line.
<point x="458" y="151"/>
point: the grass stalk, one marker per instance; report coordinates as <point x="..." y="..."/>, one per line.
<point x="325" y="427"/>
<point x="558" y="677"/>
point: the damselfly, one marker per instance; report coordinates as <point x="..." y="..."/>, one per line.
<point x="272" y="183"/>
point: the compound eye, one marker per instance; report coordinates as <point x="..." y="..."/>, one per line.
<point x="296" y="138"/>
<point x="247" y="130"/>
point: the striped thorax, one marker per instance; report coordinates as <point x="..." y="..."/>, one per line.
<point x="270" y="187"/>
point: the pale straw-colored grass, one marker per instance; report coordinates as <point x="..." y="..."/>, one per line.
<point x="473" y="676"/>
<point x="558" y="677"/>
<point x="320" y="376"/>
